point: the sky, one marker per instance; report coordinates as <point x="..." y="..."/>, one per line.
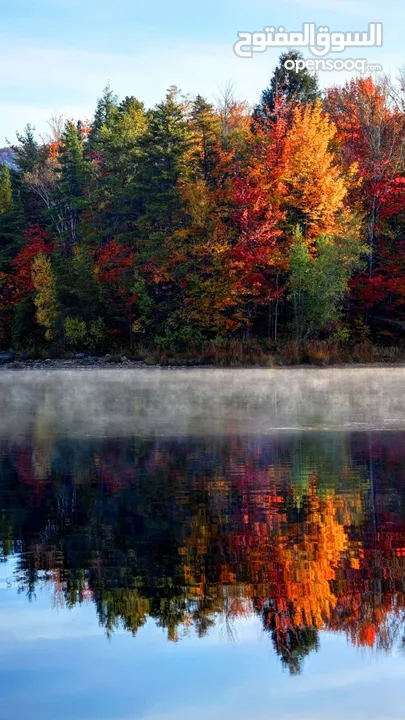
<point x="58" y="663"/>
<point x="56" y="56"/>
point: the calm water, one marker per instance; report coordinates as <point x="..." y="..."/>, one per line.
<point x="184" y="545"/>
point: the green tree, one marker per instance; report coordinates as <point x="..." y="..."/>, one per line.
<point x="29" y="157"/>
<point x="78" y="291"/>
<point x="5" y="190"/>
<point x="318" y="283"/>
<point x="164" y="161"/>
<point x="74" y="182"/>
<point x="11" y="219"/>
<point x="27" y="152"/>
<point x="162" y="165"/>
<point x="294" y="86"/>
<point x="104" y="116"/>
<point x="117" y="182"/>
<point x="205" y="124"/>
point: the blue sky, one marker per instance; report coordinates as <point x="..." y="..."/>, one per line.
<point x="57" y="55"/>
<point x="58" y="663"/>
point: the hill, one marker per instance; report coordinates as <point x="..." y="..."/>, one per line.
<point x="7" y="157"/>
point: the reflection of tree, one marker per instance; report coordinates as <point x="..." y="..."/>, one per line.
<point x="194" y="533"/>
<point x="292" y="642"/>
<point x="306" y="554"/>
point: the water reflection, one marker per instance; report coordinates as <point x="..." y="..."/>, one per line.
<point x="305" y="531"/>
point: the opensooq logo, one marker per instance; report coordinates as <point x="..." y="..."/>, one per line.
<point x="319" y="40"/>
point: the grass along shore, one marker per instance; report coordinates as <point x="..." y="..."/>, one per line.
<point x="230" y="354"/>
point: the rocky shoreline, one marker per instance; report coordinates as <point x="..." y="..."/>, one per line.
<point x="114" y="362"/>
<point x="9" y="361"/>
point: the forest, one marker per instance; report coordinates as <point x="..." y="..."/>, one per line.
<point x="211" y="232"/>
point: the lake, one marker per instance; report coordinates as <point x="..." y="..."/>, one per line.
<point x="191" y="544"/>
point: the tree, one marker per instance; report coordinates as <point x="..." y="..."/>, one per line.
<point x="104" y="116"/>
<point x="119" y="292"/>
<point x="293" y="86"/>
<point x="318" y="283"/>
<point x="71" y="193"/>
<point x="45" y="300"/>
<point x="163" y="163"/>
<point x="372" y="136"/>
<point x="256" y="255"/>
<point x="316" y="186"/>
<point x="27" y="153"/>
<point x="29" y="156"/>
<point x="205" y="125"/>
<point x="5" y="190"/>
<point x="116" y="201"/>
<point x="11" y="219"/>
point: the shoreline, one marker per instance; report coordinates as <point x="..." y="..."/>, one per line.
<point x="103" y="363"/>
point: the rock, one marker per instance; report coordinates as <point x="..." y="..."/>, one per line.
<point x="6" y="357"/>
<point x="79" y="356"/>
<point x="124" y="359"/>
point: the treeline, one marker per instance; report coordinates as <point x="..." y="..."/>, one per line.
<point x="190" y="224"/>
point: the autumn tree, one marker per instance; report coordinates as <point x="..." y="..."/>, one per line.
<point x="371" y="133"/>
<point x="316" y="184"/>
<point x="45" y="300"/>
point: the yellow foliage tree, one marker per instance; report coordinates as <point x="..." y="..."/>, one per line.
<point x="315" y="184"/>
<point x="45" y="300"/>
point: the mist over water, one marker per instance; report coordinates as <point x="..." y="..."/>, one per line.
<point x="200" y="401"/>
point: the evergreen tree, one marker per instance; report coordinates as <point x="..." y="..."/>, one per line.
<point x="295" y="86"/>
<point x="5" y="190"/>
<point x="117" y="197"/>
<point x="30" y="159"/>
<point x="104" y="116"/>
<point x="11" y="219"/>
<point x="27" y="152"/>
<point x="163" y="163"/>
<point x="206" y="132"/>
<point x="74" y="175"/>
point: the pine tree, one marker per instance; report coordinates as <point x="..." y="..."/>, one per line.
<point x="205" y="126"/>
<point x="163" y="163"/>
<point x="5" y="190"/>
<point x="294" y="86"/>
<point x="119" y="157"/>
<point x="74" y="175"/>
<point x="27" y="152"/>
<point x="11" y="219"/>
<point x="104" y="116"/>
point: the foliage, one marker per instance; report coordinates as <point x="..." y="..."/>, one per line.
<point x="176" y="226"/>
<point x="294" y="86"/>
<point x="319" y="282"/>
<point x="45" y="299"/>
